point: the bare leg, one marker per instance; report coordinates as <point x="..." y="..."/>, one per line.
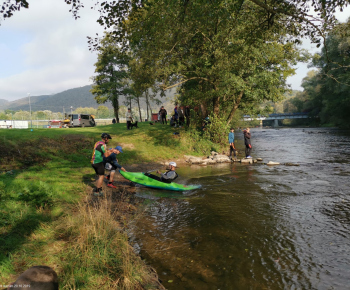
<point x="99" y="181"/>
<point x="111" y="176"/>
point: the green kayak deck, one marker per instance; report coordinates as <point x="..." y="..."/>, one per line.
<point x="141" y="178"/>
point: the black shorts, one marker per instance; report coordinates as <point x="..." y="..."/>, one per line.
<point x="99" y="168"/>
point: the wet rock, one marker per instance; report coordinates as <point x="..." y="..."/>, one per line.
<point x="291" y="164"/>
<point x="247" y="161"/>
<point x="259" y="159"/>
<point x="213" y="153"/>
<point x="221" y="158"/>
<point x="209" y="161"/>
<point x="273" y="163"/>
<point x="255" y="161"/>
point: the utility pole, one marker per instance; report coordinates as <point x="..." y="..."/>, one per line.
<point x="71" y="109"/>
<point x="30" y="109"/>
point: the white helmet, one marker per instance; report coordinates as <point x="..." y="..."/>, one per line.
<point x="172" y="164"/>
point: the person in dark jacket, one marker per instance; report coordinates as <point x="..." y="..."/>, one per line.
<point x="231" y="141"/>
<point x="247" y="142"/>
<point x="176" y="115"/>
<point x="111" y="164"/>
<point x="163" y="113"/>
<point x="181" y="112"/>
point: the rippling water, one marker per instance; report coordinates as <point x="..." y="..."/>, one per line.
<point x="255" y="226"/>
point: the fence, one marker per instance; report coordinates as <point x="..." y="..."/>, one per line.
<point x="25" y="124"/>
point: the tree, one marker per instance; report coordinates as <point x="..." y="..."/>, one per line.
<point x="223" y="60"/>
<point x="86" y="110"/>
<point x="102" y="112"/>
<point x="329" y="89"/>
<point x="110" y="81"/>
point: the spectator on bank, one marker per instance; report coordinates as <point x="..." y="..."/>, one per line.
<point x="114" y="121"/>
<point x="128" y="117"/>
<point x="176" y="115"/>
<point x="181" y="116"/>
<point x="172" y="121"/>
<point x="163" y="113"/>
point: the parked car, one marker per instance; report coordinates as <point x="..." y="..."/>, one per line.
<point x="81" y="120"/>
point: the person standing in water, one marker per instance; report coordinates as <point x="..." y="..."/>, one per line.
<point x="231" y="141"/>
<point x="247" y="142"/>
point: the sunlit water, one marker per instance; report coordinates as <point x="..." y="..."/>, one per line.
<point x="255" y="226"/>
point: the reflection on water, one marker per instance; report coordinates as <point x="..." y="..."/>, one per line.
<point x="254" y="226"/>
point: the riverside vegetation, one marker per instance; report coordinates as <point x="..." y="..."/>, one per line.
<point x="49" y="217"/>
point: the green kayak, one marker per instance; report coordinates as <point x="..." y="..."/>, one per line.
<point x="141" y="178"/>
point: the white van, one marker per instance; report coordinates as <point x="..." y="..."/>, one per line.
<point x="82" y="120"/>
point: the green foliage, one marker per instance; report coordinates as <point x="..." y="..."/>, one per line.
<point x="216" y="130"/>
<point x="326" y="92"/>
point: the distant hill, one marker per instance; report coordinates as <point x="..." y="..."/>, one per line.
<point x="77" y="97"/>
<point x="3" y="102"/>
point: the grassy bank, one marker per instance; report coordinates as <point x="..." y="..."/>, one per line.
<point x="47" y="213"/>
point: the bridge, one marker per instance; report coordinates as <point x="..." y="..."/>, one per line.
<point x="276" y="117"/>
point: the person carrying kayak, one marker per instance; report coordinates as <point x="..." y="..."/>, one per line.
<point x="100" y="151"/>
<point x="111" y="164"/>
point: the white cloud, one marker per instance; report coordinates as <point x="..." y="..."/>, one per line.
<point x="43" y="50"/>
<point x="51" y="52"/>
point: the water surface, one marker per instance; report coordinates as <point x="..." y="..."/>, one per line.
<point x="255" y="226"/>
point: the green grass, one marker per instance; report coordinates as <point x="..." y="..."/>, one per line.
<point x="46" y="217"/>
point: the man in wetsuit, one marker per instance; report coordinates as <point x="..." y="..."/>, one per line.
<point x="111" y="163"/>
<point x="100" y="151"/>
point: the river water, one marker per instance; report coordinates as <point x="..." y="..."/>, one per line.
<point x="255" y="226"/>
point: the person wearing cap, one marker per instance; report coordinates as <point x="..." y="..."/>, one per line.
<point x="111" y="164"/>
<point x="100" y="151"/>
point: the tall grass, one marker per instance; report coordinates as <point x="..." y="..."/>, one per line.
<point x="99" y="256"/>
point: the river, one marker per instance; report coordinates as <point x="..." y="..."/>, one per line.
<point x="256" y="226"/>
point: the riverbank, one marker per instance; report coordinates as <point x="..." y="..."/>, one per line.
<point x="49" y="217"/>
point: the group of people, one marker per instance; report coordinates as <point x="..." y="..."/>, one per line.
<point x="106" y="159"/>
<point x="247" y="143"/>
<point x="178" y="118"/>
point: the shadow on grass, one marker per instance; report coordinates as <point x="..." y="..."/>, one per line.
<point x="12" y="241"/>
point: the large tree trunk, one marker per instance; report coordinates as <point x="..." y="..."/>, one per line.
<point x="216" y="106"/>
<point x="115" y="104"/>
<point x="204" y="110"/>
<point x="147" y="104"/>
<point x="234" y="108"/>
<point x="138" y="104"/>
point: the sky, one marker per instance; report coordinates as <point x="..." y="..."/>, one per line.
<point x="44" y="50"/>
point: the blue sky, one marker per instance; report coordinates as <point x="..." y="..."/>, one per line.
<point x="43" y="50"/>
